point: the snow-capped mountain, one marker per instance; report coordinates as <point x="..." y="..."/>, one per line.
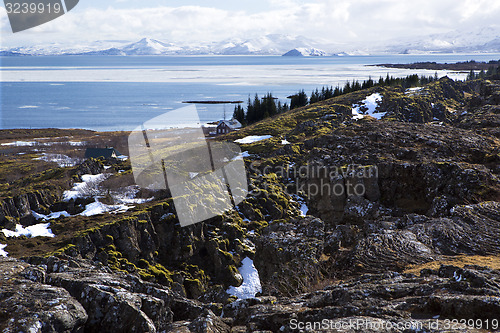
<point x="303" y="52"/>
<point x="485" y="39"/>
<point x="265" y="45"/>
<point x="59" y="49"/>
<point x="147" y="46"/>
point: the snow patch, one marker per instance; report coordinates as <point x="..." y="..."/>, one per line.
<point x="458" y="277"/>
<point x="37" y="230"/>
<point x="3" y="253"/>
<point x="82" y="189"/>
<point x="20" y="143"/>
<point x="51" y="216"/>
<point x="413" y="90"/>
<point x="97" y="207"/>
<point x="241" y="156"/>
<point x="304" y="209"/>
<point x="369" y="104"/>
<point x="251" y="281"/>
<point x="61" y="159"/>
<point x="303" y="206"/>
<point x="253" y="138"/>
<point x="285" y="142"/>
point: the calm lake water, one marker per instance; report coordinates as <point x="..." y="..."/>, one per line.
<point x="120" y="93"/>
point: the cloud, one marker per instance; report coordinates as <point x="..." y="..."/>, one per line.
<point x="343" y="21"/>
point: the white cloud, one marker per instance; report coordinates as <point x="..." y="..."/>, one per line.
<point x="335" y="20"/>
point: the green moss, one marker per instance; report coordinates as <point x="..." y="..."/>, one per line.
<point x="162" y="274"/>
<point x="257" y="225"/>
<point x="68" y="249"/>
<point x="226" y="255"/>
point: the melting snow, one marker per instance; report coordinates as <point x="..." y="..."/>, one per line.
<point x="303" y="206"/>
<point x="371" y="103"/>
<point x="413" y="90"/>
<point x="457" y="277"/>
<point x="124" y="198"/>
<point x="51" y="216"/>
<point x="97" y="207"/>
<point x="2" y="251"/>
<point x="20" y="143"/>
<point x="251" y="281"/>
<point x="304" y="209"/>
<point x="285" y="142"/>
<point x="128" y="196"/>
<point x="80" y="189"/>
<point x="241" y="156"/>
<point x="37" y="230"/>
<point x="61" y="159"/>
<point x="253" y="138"/>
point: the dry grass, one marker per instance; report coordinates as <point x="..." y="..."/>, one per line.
<point x="492" y="262"/>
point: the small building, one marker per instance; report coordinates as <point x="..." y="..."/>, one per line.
<point x="226" y="126"/>
<point x="108" y="152"/>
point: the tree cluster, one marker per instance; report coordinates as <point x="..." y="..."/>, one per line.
<point x="268" y="106"/>
<point x="492" y="72"/>
<point x="259" y="108"/>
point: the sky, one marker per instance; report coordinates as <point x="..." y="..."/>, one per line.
<point x="192" y="21"/>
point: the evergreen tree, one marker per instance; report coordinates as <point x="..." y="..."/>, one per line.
<point x="239" y="114"/>
<point x="315" y="97"/>
<point x="298" y="100"/>
<point x="471" y="75"/>
<point x="258" y="110"/>
<point x="250" y="117"/>
<point x="337" y="91"/>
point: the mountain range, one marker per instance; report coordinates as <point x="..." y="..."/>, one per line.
<point x="483" y="40"/>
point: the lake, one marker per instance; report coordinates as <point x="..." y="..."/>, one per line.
<point x="120" y="93"/>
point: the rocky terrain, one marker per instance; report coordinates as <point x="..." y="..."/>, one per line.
<point x="353" y="224"/>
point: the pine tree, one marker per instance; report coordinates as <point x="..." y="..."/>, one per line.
<point x="239" y="114"/>
<point x="250" y="116"/>
<point x="471" y="75"/>
<point x="298" y="100"/>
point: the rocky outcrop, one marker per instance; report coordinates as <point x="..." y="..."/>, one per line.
<point x="27" y="304"/>
<point x="18" y="209"/>
<point x="378" y="302"/>
<point x="399" y="166"/>
<point x="288" y="255"/>
<point x="74" y="295"/>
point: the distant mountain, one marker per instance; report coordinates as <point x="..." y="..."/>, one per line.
<point x="485" y="40"/>
<point x="303" y="52"/>
<point x="147" y="46"/>
<point x="266" y="45"/>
